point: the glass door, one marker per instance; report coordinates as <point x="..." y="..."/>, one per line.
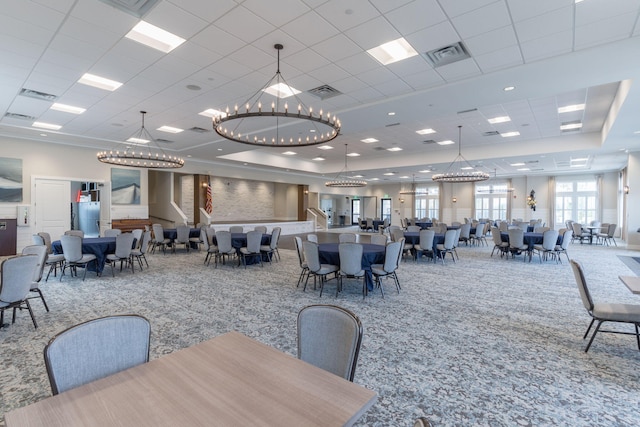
<point x="355" y="211"/>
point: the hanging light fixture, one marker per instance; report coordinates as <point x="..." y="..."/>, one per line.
<point x="342" y="180"/>
<point x="149" y="156"/>
<point x="273" y="124"/>
<point x="413" y="190"/>
<point x="455" y="171"/>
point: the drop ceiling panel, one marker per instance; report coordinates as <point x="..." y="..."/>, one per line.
<point x="606" y="30"/>
<point x="546" y="24"/>
<point x="286" y="12"/>
<point x="346" y="14"/>
<point x="521" y="10"/>
<point x="546" y="47"/>
<point x="337" y="48"/>
<point x="174" y="19"/>
<point x="253" y="27"/>
<point x="358" y="63"/>
<point x="455" y="8"/>
<point x="31" y="14"/>
<point x="499" y="59"/>
<point x="205" y="9"/>
<point x="491" y="41"/>
<point x="434" y="37"/>
<point x="310" y="28"/>
<point x="416" y="15"/>
<point x="487" y="18"/>
<point x="101" y="16"/>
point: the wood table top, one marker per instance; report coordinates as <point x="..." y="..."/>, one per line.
<point x="230" y="380"/>
<point x="632" y="282"/>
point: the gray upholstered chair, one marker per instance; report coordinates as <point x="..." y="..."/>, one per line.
<point x="607" y="234"/>
<point x="96" y="349"/>
<point x="329" y="337"/>
<point x="448" y="246"/>
<point x="73" y="256"/>
<point x="41" y="252"/>
<point x="347" y="238"/>
<point x="562" y="248"/>
<point x="141" y="250"/>
<point x="225" y="248"/>
<point x="53" y="260"/>
<point x="137" y="234"/>
<point x="159" y="239"/>
<point x="605" y="312"/>
<point x="304" y="268"/>
<point x="209" y="247"/>
<point x="369" y="224"/>
<point x="252" y="250"/>
<point x="182" y="237"/>
<point x="197" y="241"/>
<point x="413" y="228"/>
<point x="465" y="233"/>
<point x="516" y="243"/>
<point x="548" y="246"/>
<point x="422" y="422"/>
<point x="260" y="228"/>
<point x="124" y="246"/>
<point x="425" y="246"/>
<point x="351" y="265"/>
<point x="312" y="238"/>
<point x="272" y="247"/>
<point x="236" y="229"/>
<point x="112" y="232"/>
<point x="502" y="247"/>
<point x="316" y="269"/>
<point x="391" y="264"/>
<point x="379" y="239"/>
<point x="17" y="279"/>
<point x="478" y="237"/>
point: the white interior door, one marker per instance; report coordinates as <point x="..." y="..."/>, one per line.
<point x="105" y="206"/>
<point x="53" y="207"/>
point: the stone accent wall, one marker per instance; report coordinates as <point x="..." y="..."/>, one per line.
<point x="186" y="199"/>
<point x="242" y="200"/>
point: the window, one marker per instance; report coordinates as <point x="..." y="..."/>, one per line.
<point x="427" y="202"/>
<point x="355" y="211"/>
<point x="385" y="209"/>
<point x="577" y="201"/>
<point x="491" y="201"/>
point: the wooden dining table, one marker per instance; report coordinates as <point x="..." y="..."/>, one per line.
<point x="632" y="283"/>
<point x="230" y="380"/>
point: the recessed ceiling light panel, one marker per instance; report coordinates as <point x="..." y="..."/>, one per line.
<point x="67" y="108"/>
<point x="369" y="140"/>
<point x="154" y="37"/>
<point x="99" y="82"/>
<point x="170" y="129"/>
<point x="425" y="131"/>
<point x="445" y="142"/>
<point x="43" y="125"/>
<point x="281" y="90"/>
<point x="570" y="108"/>
<point x="393" y="51"/>
<point x="500" y="119"/>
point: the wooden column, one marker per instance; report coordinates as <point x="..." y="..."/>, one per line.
<point x="303" y="202"/>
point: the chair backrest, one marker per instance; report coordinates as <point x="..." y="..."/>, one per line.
<point x="260" y="228"/>
<point x="236" y="229"/>
<point x="146" y="238"/>
<point x="394" y="227"/>
<point x="347" y="238"/>
<point x="369" y="222"/>
<point x="112" y="232"/>
<point x="158" y="232"/>
<point x="385" y="223"/>
<point x="413" y="228"/>
<point x="36" y="239"/>
<point x="137" y="234"/>
<point x="516" y="237"/>
<point x="78" y="233"/>
<point x="379" y="239"/>
<point x="275" y="236"/>
<point x="426" y="239"/>
<point x="254" y="239"/>
<point x="391" y="256"/>
<point x="566" y="239"/>
<point x="397" y="235"/>
<point x="350" y="258"/>
<point x="71" y="247"/>
<point x="223" y="241"/>
<point x="549" y="239"/>
<point x="457" y="238"/>
<point x="450" y="239"/>
<point x="495" y="235"/>
<point x="612" y="229"/>
<point x="504" y="226"/>
<point x="595" y="223"/>
<point x="465" y="231"/>
<point x="41" y="252"/>
<point x="311" y="255"/>
<point x="96" y="349"/>
<point x="182" y="233"/>
<point x="329" y="337"/>
<point x="124" y="244"/>
<point x="585" y="295"/>
<point x="577" y="228"/>
<point x="541" y="229"/>
<point x="17" y="277"/>
<point x="298" y="242"/>
<point x="312" y="238"/>
<point x="47" y="240"/>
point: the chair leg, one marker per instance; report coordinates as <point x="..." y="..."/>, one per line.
<point x="594" y="334"/>
<point x="33" y="318"/>
<point x="637" y="335"/>
<point x="46" y="307"/>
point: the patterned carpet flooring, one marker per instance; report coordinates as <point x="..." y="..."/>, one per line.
<point x="482" y="342"/>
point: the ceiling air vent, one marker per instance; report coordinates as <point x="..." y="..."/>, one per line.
<point x="37" y="95"/>
<point x="136" y="8"/>
<point x="392" y="124"/>
<point x="198" y="130"/>
<point x="471" y="110"/>
<point x="491" y="133"/>
<point x="429" y="141"/>
<point x="19" y="116"/>
<point x="324" y="92"/>
<point x="379" y="148"/>
<point x="164" y="141"/>
<point x="447" y="55"/>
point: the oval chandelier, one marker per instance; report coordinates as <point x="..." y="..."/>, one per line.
<point x="413" y="189"/>
<point x="149" y="156"/>
<point x="460" y="170"/>
<point x="342" y="179"/>
<point x="274" y="123"/>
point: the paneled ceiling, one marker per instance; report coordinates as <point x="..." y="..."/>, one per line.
<point x="552" y="52"/>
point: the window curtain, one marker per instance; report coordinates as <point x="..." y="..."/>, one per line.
<point x="509" y="201"/>
<point x="440" y="201"/>
<point x="600" y="202"/>
<point x="552" y="202"/>
<point x="473" y="203"/>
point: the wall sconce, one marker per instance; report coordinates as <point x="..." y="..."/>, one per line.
<point x="401" y="200"/>
<point x="205" y="185"/>
<point x="531" y="200"/>
<point x="306" y="191"/>
<point x="626" y="189"/>
<point x="454" y="199"/>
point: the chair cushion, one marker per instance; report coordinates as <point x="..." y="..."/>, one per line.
<point x="617" y="312"/>
<point x="326" y="269"/>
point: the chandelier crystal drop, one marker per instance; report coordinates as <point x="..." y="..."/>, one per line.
<point x="342" y="179"/>
<point x="455" y="173"/>
<point x="141" y="154"/>
<point x="275" y="123"/>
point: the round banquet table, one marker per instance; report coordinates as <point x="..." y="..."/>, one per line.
<point x="530" y="239"/>
<point x="239" y="240"/>
<point x="98" y="246"/>
<point x="371" y="254"/>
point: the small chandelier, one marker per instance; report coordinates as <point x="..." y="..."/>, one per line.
<point x="150" y="157"/>
<point x="342" y="180"/>
<point x="413" y="190"/>
<point x="457" y="174"/>
<point x="275" y="125"/>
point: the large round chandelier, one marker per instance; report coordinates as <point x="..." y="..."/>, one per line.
<point x="148" y="155"/>
<point x="413" y="189"/>
<point x="342" y="179"/>
<point x="460" y="170"/>
<point x="276" y="123"/>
